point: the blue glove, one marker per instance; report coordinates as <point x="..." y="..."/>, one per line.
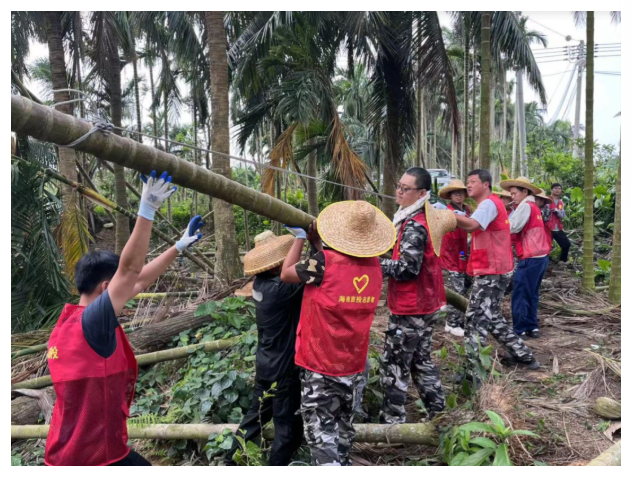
<point x="190" y="236"/>
<point x="154" y="193"/>
<point x="299" y="233"/>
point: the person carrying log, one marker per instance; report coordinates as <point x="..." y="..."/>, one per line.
<point x="415" y="296"/>
<point x="92" y="365"/>
<point x="491" y="265"/>
<point x="454" y="254"/>
<point x="277" y="382"/>
<point x="532" y="244"/>
<point x="342" y="287"/>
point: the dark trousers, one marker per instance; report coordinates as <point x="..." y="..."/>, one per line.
<point x="282" y="408"/>
<point x="525" y="299"/>
<point x="132" y="459"/>
<point x="564" y="243"/>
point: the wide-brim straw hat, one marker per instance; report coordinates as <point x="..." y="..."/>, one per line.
<point x="440" y="222"/>
<point x="504" y="193"/>
<point x="544" y="197"/>
<point x="269" y="252"/>
<point x="521" y="182"/>
<point x="356" y="228"/>
<point x="454" y="185"/>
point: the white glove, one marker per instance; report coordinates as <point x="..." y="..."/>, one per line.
<point x="154" y="193"/>
<point x="190" y="236"/>
<point x="299" y="233"/>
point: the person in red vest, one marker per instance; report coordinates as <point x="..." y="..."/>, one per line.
<point x="533" y="246"/>
<point x="454" y="253"/>
<point x="543" y="202"/>
<point x="343" y="283"/>
<point x="507" y="199"/>
<point x="491" y="264"/>
<point x="558" y="213"/>
<point x="416" y="293"/>
<point x="91" y="363"/>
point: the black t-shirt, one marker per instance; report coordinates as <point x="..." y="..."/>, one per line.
<point x="277" y="314"/>
<point x="99" y="325"/>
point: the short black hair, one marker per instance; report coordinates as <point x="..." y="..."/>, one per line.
<point x="422" y="178"/>
<point x="94" y="268"/>
<point x="484" y="175"/>
<point x="554" y="185"/>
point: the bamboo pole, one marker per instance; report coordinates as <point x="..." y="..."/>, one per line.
<point x="422" y="433"/>
<point x="147" y="359"/>
<point x="169" y="294"/>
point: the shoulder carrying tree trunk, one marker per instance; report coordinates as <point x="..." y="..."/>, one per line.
<point x="228" y="264"/>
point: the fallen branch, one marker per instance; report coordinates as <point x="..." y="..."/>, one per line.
<point x="169" y="294"/>
<point x="610" y="457"/>
<point x="607" y="408"/>
<point x="147" y="359"/>
<point x="581" y="312"/>
<point x="423" y="433"/>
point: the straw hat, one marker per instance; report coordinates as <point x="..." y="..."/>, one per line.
<point x="544" y="197"/>
<point x="521" y="182"/>
<point x="269" y="251"/>
<point x="454" y="185"/>
<point x="356" y="228"/>
<point x="503" y="193"/>
<point x="440" y="222"/>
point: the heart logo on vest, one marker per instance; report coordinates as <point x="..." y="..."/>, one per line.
<point x="356" y="282"/>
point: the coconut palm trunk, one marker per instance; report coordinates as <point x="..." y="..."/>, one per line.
<point x="116" y="107"/>
<point x="504" y="107"/>
<point x="228" y="263"/>
<point x="60" y="84"/>
<point x="465" y="136"/>
<point x="312" y="186"/>
<point x="134" y="62"/>
<point x="615" y="282"/>
<point x="485" y="100"/>
<point x="588" y="221"/>
<point x="154" y="116"/>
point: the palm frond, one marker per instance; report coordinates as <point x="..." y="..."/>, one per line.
<point x="349" y="169"/>
<point x="281" y="156"/>
<point x="73" y="236"/>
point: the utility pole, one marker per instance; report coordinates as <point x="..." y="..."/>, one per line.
<point x="579" y="82"/>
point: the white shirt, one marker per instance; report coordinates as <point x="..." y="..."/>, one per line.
<point x="485" y="213"/>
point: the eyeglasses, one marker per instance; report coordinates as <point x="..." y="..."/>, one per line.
<point x="405" y="189"/>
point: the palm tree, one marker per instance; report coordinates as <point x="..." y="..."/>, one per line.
<point x="615" y="282"/>
<point x="227" y="256"/>
<point x="107" y="66"/>
<point x="485" y="105"/>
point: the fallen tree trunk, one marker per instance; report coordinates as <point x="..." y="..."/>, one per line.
<point x="607" y="408"/>
<point x="424" y="433"/>
<point x="46" y="124"/>
<point x="154" y="337"/>
<point x="147" y="359"/>
<point x="610" y="457"/>
<point x="29" y="405"/>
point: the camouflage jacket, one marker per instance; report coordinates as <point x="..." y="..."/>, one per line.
<point x="546" y="212"/>
<point x="411" y="251"/>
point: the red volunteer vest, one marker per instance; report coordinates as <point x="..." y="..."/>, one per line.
<point x="89" y="423"/>
<point x="334" y="328"/>
<point x="533" y="240"/>
<point x="424" y="294"/>
<point x="554" y="219"/>
<point x="453" y="244"/>
<point x="491" y="251"/>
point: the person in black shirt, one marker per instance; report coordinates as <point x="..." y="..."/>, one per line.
<point x="277" y="314"/>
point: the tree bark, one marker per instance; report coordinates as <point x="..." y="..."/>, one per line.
<point x="521" y="115"/>
<point x="60" y="82"/>
<point x="485" y="93"/>
<point x="312" y="185"/>
<point x="615" y="281"/>
<point x="116" y="107"/>
<point x="228" y="266"/>
<point x="465" y="137"/>
<point x="610" y="457"/>
<point x="515" y="164"/>
<point x="474" y="73"/>
<point x="411" y="433"/>
<point x="24" y="410"/>
<point x="588" y="221"/>
<point x="504" y="107"/>
<point x="154" y="117"/>
<point x="134" y="61"/>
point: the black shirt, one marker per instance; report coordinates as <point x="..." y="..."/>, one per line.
<point x="99" y="325"/>
<point x="277" y="314"/>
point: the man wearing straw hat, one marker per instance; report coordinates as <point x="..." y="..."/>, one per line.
<point x="342" y="288"/>
<point x="491" y="263"/>
<point x="416" y="294"/>
<point x="543" y="202"/>
<point x="454" y="253"/>
<point x="277" y="314"/>
<point x="532" y="244"/>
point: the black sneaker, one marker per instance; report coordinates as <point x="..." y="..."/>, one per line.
<point x="511" y="362"/>
<point x="533" y="334"/>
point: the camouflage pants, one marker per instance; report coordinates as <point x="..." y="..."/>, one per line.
<point x="361" y="385"/>
<point x="457" y="281"/>
<point x="408" y="350"/>
<point x="484" y="316"/>
<point x="327" y="413"/>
